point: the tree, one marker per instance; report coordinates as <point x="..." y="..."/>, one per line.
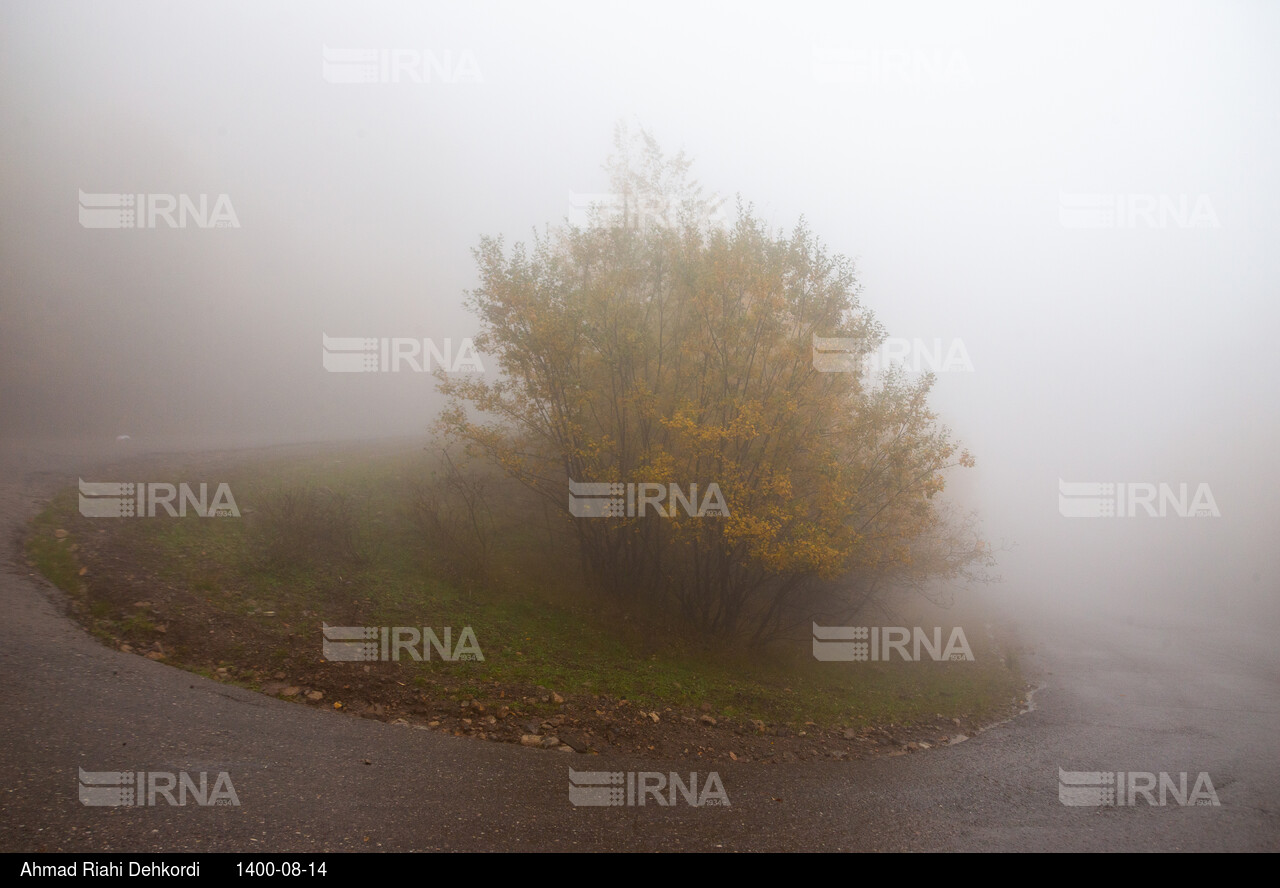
<point x="651" y="345"/>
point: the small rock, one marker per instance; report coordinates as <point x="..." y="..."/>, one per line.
<point x="708" y="720"/>
<point x="705" y="707"/>
<point x="550" y="742"/>
<point x="127" y="648"/>
<point x="758" y="725"/>
<point x="576" y="742"/>
<point x="315" y="695"/>
<point x="155" y="655"/>
<point x="557" y="699"/>
<point x="564" y="747"/>
<point x="850" y="734"/>
<point x="291" y="691"/>
<point x="656" y="718"/>
<point x="61" y="534"/>
<point x="530" y="740"/>
<point x="503" y="711"/>
<point x="789" y="757"/>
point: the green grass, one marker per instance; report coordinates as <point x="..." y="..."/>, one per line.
<point x="52" y="556"/>
<point x="534" y="623"/>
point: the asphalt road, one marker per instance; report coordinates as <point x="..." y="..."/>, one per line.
<point x="1117" y="696"/>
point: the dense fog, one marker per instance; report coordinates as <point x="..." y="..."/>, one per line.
<point x="1082" y="196"/>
